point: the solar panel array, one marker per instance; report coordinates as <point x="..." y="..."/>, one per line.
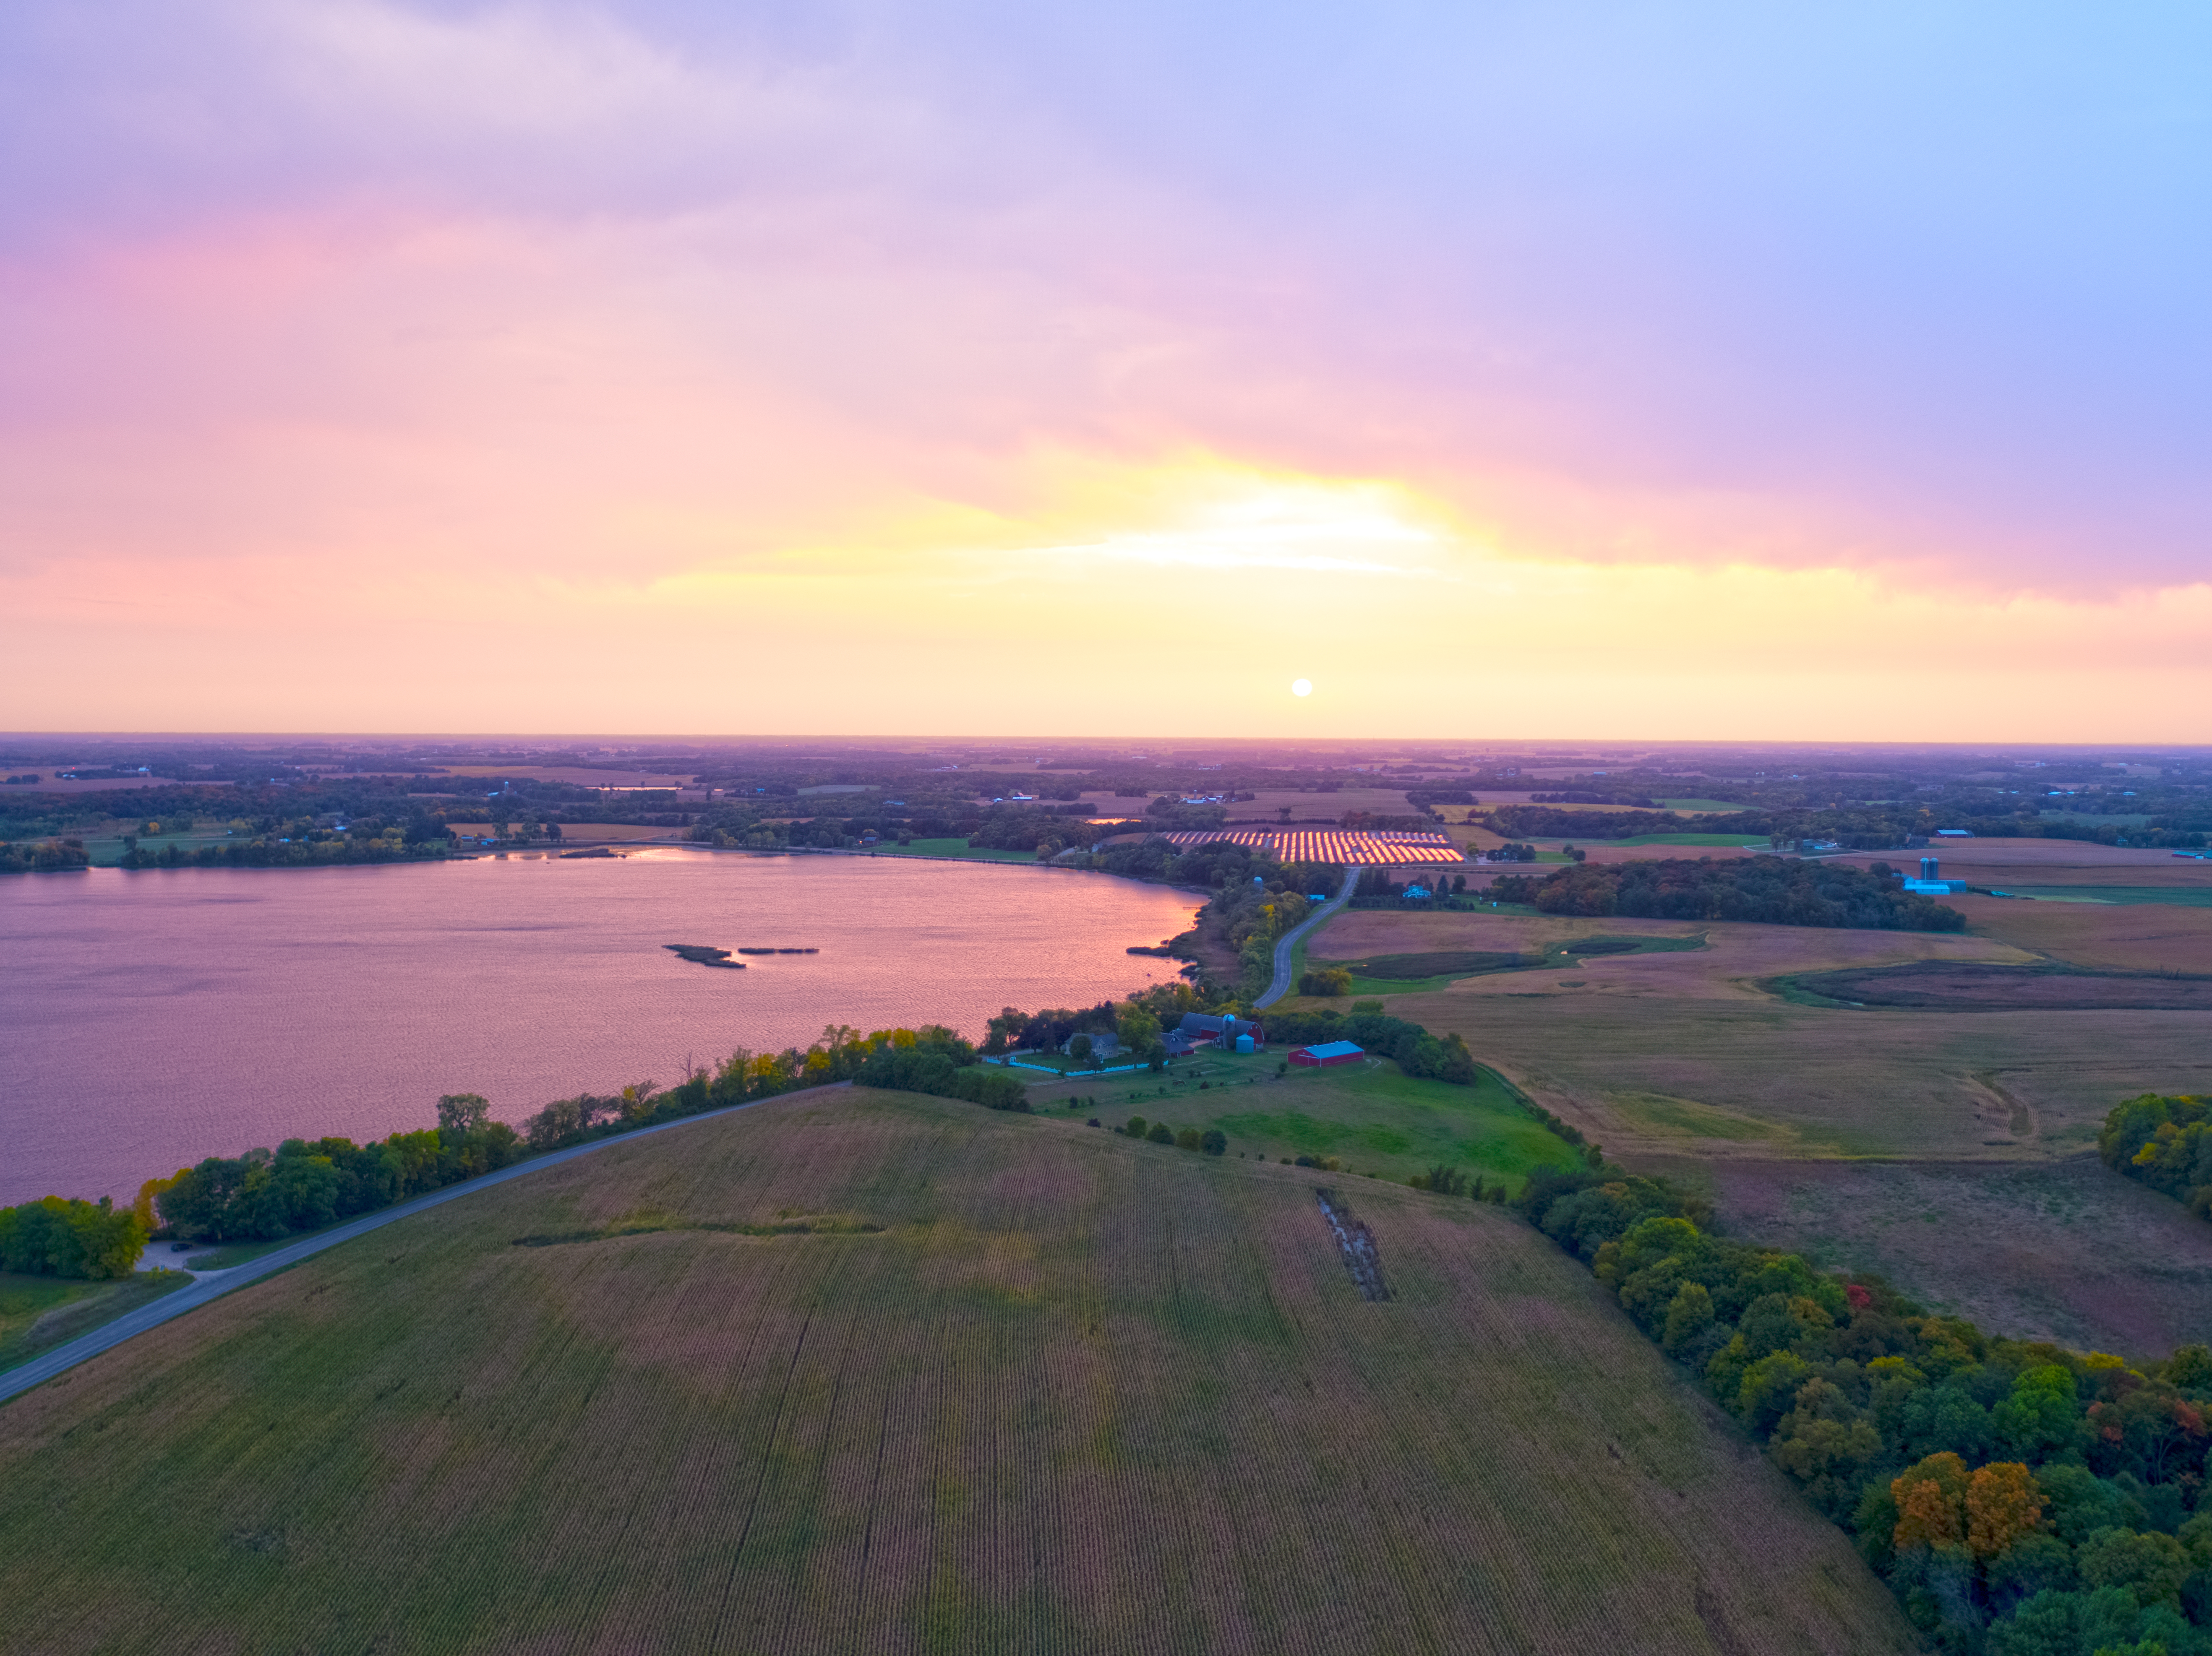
<point x="1333" y="844"/>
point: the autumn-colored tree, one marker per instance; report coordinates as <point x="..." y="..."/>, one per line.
<point x="1930" y="1501"/>
<point x="142" y="1208"/>
<point x="2003" y="1503"/>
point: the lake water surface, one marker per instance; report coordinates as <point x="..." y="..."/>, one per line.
<point x="150" y="1018"/>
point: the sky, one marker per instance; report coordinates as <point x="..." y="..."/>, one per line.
<point x="1688" y="370"/>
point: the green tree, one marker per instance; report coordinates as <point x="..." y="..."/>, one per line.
<point x="1161" y="1133"/>
<point x="467" y="1111"/>
<point x="1688" y="1315"/>
<point x="1215" y="1143"/>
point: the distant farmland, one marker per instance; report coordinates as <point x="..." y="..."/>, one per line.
<point x="1077" y="1394"/>
<point x="1710" y="1065"/>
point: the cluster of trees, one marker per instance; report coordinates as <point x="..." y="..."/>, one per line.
<point x="2166" y="1142"/>
<point x="1327" y="980"/>
<point x="2020" y="1497"/>
<point x="1584" y="796"/>
<point x="59" y="1237"/>
<point x="307" y="1184"/>
<point x="1777" y="890"/>
<point x="46" y="857"/>
<point x="1212" y="1142"/>
<point x="1138" y="1022"/>
<point x="1046" y="829"/>
<point x="1168" y="815"/>
<point x="1549" y="822"/>
<point x="1412" y="1048"/>
<point x="1376" y="889"/>
<point x="931" y="1059"/>
<point x="1377" y="822"/>
<point x="332" y="849"/>
<point x="1426" y="798"/>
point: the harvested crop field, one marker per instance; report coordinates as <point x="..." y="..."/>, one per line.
<point x="2056" y="862"/>
<point x="2128" y="938"/>
<point x="1716" y="1029"/>
<point x="1078" y="1394"/>
<point x="1711" y="1062"/>
<point x="2065" y="1250"/>
<point x="1969" y="987"/>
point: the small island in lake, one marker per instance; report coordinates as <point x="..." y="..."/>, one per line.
<point x="704" y="954"/>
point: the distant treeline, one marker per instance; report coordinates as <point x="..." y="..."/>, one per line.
<point x="1776" y="890"/>
<point x="931" y="1059"/>
<point x="1853" y="828"/>
<point x="2022" y="1499"/>
<point x="1582" y="797"/>
<point x="46" y="857"/>
<point x="2166" y="1142"/>
<point x="307" y="1184"/>
<point x="336" y="849"/>
<point x="1549" y="822"/>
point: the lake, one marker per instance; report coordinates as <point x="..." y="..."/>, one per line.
<point x="148" y="1019"/>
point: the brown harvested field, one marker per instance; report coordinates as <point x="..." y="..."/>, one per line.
<point x="2050" y="862"/>
<point x="2057" y="1250"/>
<point x="1696" y="1057"/>
<point x="2130" y="937"/>
<point x="1078" y="1394"/>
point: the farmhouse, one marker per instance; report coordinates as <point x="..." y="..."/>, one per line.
<point x="1199" y="1028"/>
<point x="1329" y="1052"/>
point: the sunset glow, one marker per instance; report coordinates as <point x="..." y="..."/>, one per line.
<point x="379" y="366"/>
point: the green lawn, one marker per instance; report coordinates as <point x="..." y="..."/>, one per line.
<point x="959" y="848"/>
<point x="1376" y="1120"/>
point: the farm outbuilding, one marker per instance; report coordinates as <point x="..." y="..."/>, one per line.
<point x="1329" y="1052"/>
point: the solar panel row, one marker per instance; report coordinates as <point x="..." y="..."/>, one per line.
<point x="1333" y="844"/>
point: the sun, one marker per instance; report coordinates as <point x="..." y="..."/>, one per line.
<point x="1302" y="687"/>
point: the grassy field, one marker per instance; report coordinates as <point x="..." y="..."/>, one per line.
<point x="954" y="847"/>
<point x="1372" y="1118"/>
<point x="1703" y="1060"/>
<point x="39" y="1313"/>
<point x="2179" y="896"/>
<point x="1076" y="1394"/>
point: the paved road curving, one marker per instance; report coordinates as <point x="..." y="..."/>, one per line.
<point x="215" y="1284"/>
<point x="1280" y="985"/>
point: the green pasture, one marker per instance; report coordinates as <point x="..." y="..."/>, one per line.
<point x="959" y="848"/>
<point x="1374" y="1118"/>
<point x="105" y="845"/>
<point x="2180" y="896"/>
